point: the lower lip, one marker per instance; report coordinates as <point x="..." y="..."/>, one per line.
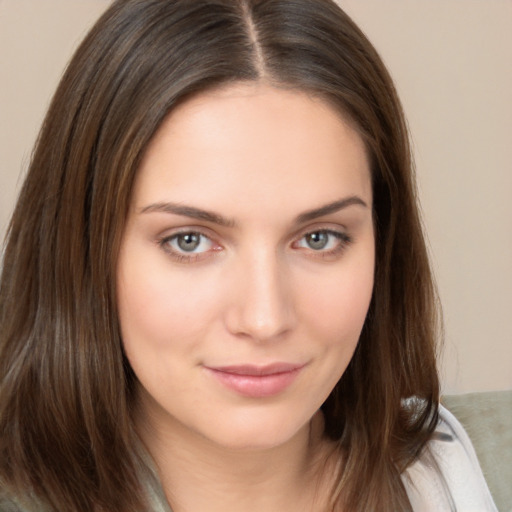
<point x="256" y="386"/>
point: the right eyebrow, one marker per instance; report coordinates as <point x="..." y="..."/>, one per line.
<point x="188" y="211"/>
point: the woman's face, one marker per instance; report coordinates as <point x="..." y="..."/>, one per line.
<point x="246" y="268"/>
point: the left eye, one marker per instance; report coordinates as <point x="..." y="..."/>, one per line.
<point x="321" y="240"/>
<point x="189" y="242"/>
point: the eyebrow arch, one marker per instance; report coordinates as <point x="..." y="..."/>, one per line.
<point x="189" y="211"/>
<point x="329" y="208"/>
<point x="215" y="218"/>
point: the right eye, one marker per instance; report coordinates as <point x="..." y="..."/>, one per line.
<point x="190" y="242"/>
<point x="187" y="245"/>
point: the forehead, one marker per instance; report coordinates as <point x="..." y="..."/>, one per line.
<point x="254" y="143"/>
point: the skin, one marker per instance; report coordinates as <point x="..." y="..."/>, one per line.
<point x="259" y="288"/>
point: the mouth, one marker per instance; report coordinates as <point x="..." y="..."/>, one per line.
<point x="257" y="381"/>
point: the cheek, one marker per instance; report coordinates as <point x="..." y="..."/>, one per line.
<point x="340" y="305"/>
<point x="339" y="302"/>
<point x="161" y="310"/>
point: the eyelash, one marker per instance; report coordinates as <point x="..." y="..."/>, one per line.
<point x="184" y="257"/>
<point x="344" y="240"/>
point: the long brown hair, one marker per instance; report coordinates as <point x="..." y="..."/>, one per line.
<point x="66" y="436"/>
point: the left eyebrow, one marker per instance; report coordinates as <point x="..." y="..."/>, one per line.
<point x="215" y="218"/>
<point x="329" y="208"/>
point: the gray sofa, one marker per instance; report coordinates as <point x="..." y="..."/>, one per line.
<point x="487" y="418"/>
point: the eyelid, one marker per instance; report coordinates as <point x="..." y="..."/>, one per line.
<point x="325" y="226"/>
<point x="340" y="232"/>
<point x="345" y="239"/>
<point x="163" y="239"/>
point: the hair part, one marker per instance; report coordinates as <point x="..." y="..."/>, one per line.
<point x="67" y="439"/>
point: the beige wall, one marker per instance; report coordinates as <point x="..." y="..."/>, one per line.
<point x="451" y="62"/>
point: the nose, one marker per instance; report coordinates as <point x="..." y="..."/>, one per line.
<point x="261" y="309"/>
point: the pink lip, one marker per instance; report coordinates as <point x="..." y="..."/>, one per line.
<point x="257" y="381"/>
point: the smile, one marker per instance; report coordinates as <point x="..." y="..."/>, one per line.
<point x="257" y="381"/>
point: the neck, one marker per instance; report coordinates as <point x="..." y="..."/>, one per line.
<point x="199" y="475"/>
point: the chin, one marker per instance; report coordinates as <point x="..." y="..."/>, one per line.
<point x="257" y="433"/>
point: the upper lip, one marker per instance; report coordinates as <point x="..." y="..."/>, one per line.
<point x="257" y="370"/>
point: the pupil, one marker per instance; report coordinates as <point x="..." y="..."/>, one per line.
<point x="189" y="242"/>
<point x="317" y="240"/>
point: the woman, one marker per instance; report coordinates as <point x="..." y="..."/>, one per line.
<point x="215" y="291"/>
